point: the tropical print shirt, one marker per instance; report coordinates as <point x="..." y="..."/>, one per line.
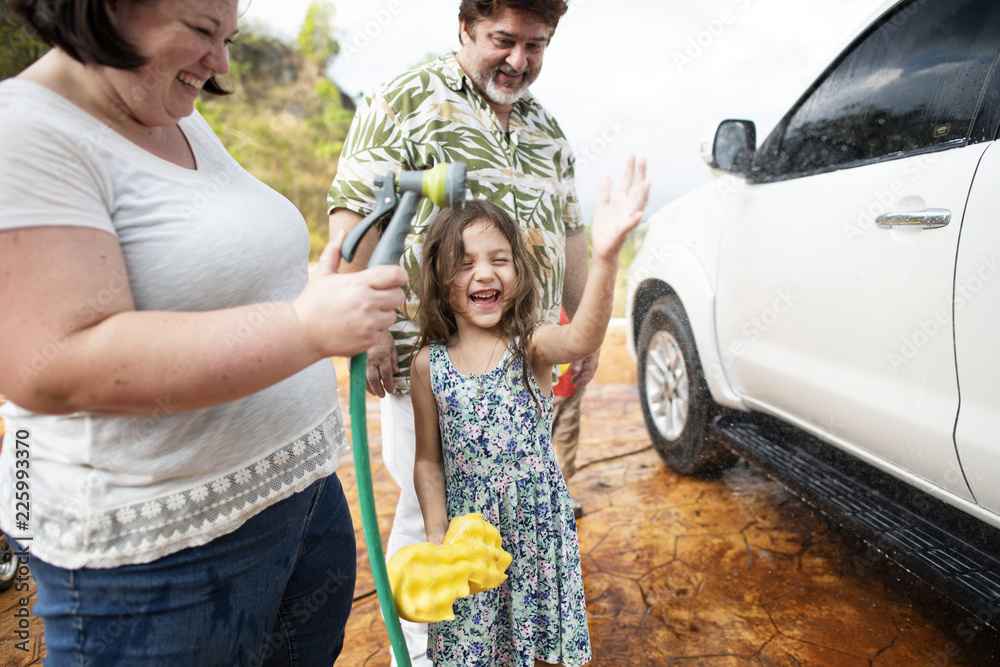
<point x="432" y="114"/>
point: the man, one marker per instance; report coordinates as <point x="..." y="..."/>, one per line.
<point x="471" y="106"/>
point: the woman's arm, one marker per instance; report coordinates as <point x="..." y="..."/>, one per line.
<point x="73" y="341"/>
<point x="614" y="218"/>
<point x="428" y="466"/>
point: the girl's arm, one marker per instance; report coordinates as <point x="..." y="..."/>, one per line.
<point x="428" y="466"/>
<point x="614" y="218"/>
<point x="73" y="341"/>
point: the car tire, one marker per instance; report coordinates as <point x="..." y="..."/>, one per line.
<point x="676" y="402"/>
<point x="8" y="564"/>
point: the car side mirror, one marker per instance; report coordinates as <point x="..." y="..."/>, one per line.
<point x="734" y="146"/>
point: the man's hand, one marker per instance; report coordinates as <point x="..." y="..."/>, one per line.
<point x="382" y="365"/>
<point x="584" y="370"/>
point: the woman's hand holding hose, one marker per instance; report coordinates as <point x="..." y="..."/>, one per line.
<point x="346" y="313"/>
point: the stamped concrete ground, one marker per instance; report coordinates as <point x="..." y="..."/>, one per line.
<point x="682" y="572"/>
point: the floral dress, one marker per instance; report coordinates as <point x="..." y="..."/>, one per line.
<point x="498" y="460"/>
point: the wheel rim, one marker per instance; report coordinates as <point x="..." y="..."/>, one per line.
<point x="8" y="564"/>
<point x="667" y="385"/>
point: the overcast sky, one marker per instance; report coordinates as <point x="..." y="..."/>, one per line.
<point x="647" y="76"/>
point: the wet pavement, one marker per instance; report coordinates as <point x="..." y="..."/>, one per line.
<point x="681" y="572"/>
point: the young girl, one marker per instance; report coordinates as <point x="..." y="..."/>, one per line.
<point x="481" y="387"/>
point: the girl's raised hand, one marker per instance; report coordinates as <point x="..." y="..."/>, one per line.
<point x="615" y="217"/>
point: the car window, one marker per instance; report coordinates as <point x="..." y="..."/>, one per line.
<point x="913" y="82"/>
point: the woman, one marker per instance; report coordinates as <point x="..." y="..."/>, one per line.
<point x="167" y="364"/>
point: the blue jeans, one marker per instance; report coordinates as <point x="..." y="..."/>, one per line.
<point x="277" y="591"/>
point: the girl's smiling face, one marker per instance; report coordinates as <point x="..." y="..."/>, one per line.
<point x="479" y="292"/>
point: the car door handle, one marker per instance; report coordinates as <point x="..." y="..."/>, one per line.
<point x="930" y="218"/>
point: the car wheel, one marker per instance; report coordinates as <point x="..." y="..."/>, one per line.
<point x="8" y="564"/>
<point x="676" y="402"/>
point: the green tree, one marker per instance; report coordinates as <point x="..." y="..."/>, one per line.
<point x="316" y="41"/>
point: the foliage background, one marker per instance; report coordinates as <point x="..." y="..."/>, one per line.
<point x="18" y="48"/>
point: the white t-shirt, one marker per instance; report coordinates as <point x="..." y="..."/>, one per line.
<point x="109" y="491"/>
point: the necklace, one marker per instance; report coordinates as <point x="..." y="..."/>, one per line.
<point x="478" y="377"/>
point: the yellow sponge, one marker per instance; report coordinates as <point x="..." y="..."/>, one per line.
<point x="426" y="578"/>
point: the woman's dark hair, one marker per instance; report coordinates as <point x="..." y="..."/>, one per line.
<point x="474" y="11"/>
<point x="84" y="31"/>
<point x="441" y="259"/>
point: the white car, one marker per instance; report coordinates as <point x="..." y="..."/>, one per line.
<point x="841" y="282"/>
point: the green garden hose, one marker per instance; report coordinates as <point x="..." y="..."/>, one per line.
<point x="369" y="518"/>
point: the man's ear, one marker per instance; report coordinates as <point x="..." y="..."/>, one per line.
<point x="463" y="32"/>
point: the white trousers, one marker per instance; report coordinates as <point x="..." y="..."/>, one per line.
<point x="398" y="452"/>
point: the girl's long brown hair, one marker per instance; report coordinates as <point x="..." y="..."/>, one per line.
<point x="441" y="259"/>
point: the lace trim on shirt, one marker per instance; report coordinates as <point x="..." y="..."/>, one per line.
<point x="143" y="532"/>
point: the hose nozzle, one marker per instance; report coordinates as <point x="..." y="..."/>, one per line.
<point x="444" y="184"/>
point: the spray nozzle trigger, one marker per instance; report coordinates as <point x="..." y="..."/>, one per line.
<point x="385" y="201"/>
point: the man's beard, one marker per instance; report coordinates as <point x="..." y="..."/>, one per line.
<point x="500" y="94"/>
